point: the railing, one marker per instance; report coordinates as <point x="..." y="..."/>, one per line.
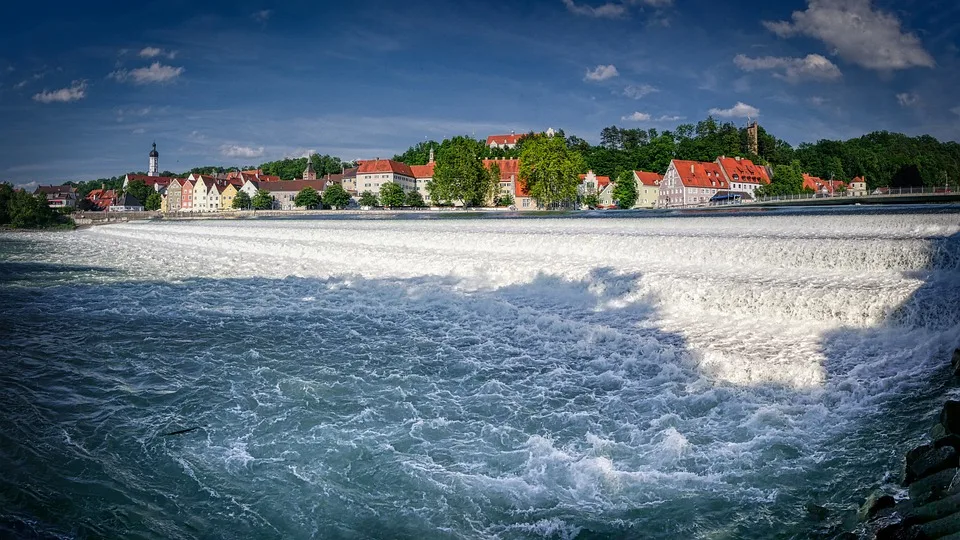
<point x="880" y="192"/>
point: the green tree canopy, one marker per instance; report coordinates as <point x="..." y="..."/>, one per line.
<point x="368" y="199"/>
<point x="22" y="210"/>
<point x="625" y="190"/>
<point x="140" y="191"/>
<point x="414" y="199"/>
<point x="307" y="198"/>
<point x="787" y="180"/>
<point x="153" y="201"/>
<point x="262" y="200"/>
<point x="391" y="195"/>
<point x="550" y="170"/>
<point x="241" y="201"/>
<point x="335" y="196"/>
<point x="459" y="174"/>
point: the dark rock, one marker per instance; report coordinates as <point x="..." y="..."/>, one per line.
<point x="882" y="503"/>
<point x="932" y="511"/>
<point x="948" y="440"/>
<point x="955" y="362"/>
<point x="928" y="459"/>
<point x="899" y="531"/>
<point x="847" y="536"/>
<point x="949" y="525"/>
<point x="950" y="417"/>
<point x="931" y="487"/>
<point x="817" y="512"/>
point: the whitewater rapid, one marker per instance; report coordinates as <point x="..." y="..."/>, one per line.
<point x="684" y="376"/>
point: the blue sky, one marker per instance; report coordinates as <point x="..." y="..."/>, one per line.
<point x="85" y="88"/>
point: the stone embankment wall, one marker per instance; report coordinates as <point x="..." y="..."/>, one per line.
<point x="931" y="476"/>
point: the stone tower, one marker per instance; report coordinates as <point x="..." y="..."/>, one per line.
<point x="309" y="173"/>
<point x="154" y="169"/>
<point x="753" y="145"/>
<point x="431" y="154"/>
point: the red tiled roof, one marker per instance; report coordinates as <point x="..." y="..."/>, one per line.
<point x="859" y="179"/>
<point x="151" y="180"/>
<point x="699" y="174"/>
<point x="744" y="169"/>
<point x="294" y="185"/>
<point x="602" y="181"/>
<point x="55" y="190"/>
<point x="820" y="185"/>
<point x="423" y="171"/>
<point x="503" y="139"/>
<point x="648" y="178"/>
<point x="385" y="165"/>
<point x="508" y="167"/>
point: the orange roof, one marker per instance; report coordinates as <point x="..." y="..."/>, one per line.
<point x="503" y="139"/>
<point x="508" y="167"/>
<point x="151" y="180"/>
<point x="385" y="165"/>
<point x="699" y="174"/>
<point x="819" y="184"/>
<point x="744" y="170"/>
<point x="859" y="179"/>
<point x="423" y="171"/>
<point x="648" y="178"/>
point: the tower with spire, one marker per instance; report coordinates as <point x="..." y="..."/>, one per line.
<point x="431" y="153"/>
<point x="309" y="173"/>
<point x="154" y="169"/>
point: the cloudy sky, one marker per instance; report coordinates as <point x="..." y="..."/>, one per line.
<point x="84" y="90"/>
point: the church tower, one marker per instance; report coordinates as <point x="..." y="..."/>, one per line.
<point x="154" y="169"/>
<point x="431" y="154"/>
<point x="309" y="173"/>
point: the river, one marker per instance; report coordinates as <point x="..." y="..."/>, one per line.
<point x="744" y="375"/>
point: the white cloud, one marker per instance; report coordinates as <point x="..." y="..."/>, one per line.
<point x="956" y="110"/>
<point x="298" y="153"/>
<point x="818" y="101"/>
<point x="636" y="117"/>
<point x="740" y="110"/>
<point x="908" y="99"/>
<point x="666" y="118"/>
<point x="794" y="70"/>
<point x="601" y="73"/>
<point x="857" y="33"/>
<point x="610" y="10"/>
<point x="138" y="131"/>
<point x="155" y="73"/>
<point x="76" y="92"/>
<point x="151" y="52"/>
<point x="638" y="91"/>
<point x="232" y="150"/>
<point x="263" y="15"/>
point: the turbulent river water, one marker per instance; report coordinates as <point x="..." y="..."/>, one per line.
<point x="684" y="376"/>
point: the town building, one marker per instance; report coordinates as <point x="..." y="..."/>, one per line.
<point x="309" y="173"/>
<point x="509" y="176"/>
<point x="503" y="141"/>
<point x="186" y="200"/>
<point x="858" y="186"/>
<point x="174" y="195"/>
<point x="648" y="188"/>
<point x="206" y="193"/>
<point x="227" y="195"/>
<point x="285" y="192"/>
<point x="823" y="187"/>
<point x="372" y="174"/>
<point x="591" y="184"/>
<point x="101" y="199"/>
<point x="158" y="183"/>
<point x="64" y="196"/>
<point x="690" y="183"/>
<point x="126" y="203"/>
<point x="348" y="179"/>
<point x="423" y="175"/>
<point x="743" y="175"/>
<point x="154" y="167"/>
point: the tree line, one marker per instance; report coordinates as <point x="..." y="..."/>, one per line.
<point x="22" y="210"/>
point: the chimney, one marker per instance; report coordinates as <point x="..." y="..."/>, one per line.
<point x="691" y="168"/>
<point x="738" y="159"/>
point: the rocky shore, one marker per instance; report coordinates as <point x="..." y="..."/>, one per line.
<point x="930" y="505"/>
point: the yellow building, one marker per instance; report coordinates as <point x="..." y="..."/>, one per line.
<point x="226" y="197"/>
<point x="163" y="204"/>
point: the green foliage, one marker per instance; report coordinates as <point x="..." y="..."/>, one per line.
<point x="787" y="180"/>
<point x="504" y="200"/>
<point x="335" y="196"/>
<point x="21" y="210"/>
<point x="414" y="199"/>
<point x="391" y="195"/>
<point x="262" y="200"/>
<point x="241" y="201"/>
<point x="368" y="199"/>
<point x="625" y="190"/>
<point x="550" y="170"/>
<point x="590" y="200"/>
<point x="291" y="169"/>
<point x="140" y="191"/>
<point x="459" y="174"/>
<point x="307" y="198"/>
<point x="153" y="201"/>
<point x="419" y="154"/>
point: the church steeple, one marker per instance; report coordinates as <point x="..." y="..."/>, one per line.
<point x="431" y="154"/>
<point x="309" y="173"/>
<point x="154" y="169"/>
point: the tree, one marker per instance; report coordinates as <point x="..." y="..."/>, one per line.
<point x="459" y="174"/>
<point x="262" y="200"/>
<point x="153" y="201"/>
<point x="140" y="191"/>
<point x="368" y="199"/>
<point x="787" y="180"/>
<point x="590" y="200"/>
<point x="241" y="201"/>
<point x="335" y="196"/>
<point x="307" y="198"/>
<point x="391" y="195"/>
<point x="504" y="200"/>
<point x="23" y="210"/>
<point x="550" y="170"/>
<point x="836" y="169"/>
<point x="414" y="199"/>
<point x="625" y="190"/>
